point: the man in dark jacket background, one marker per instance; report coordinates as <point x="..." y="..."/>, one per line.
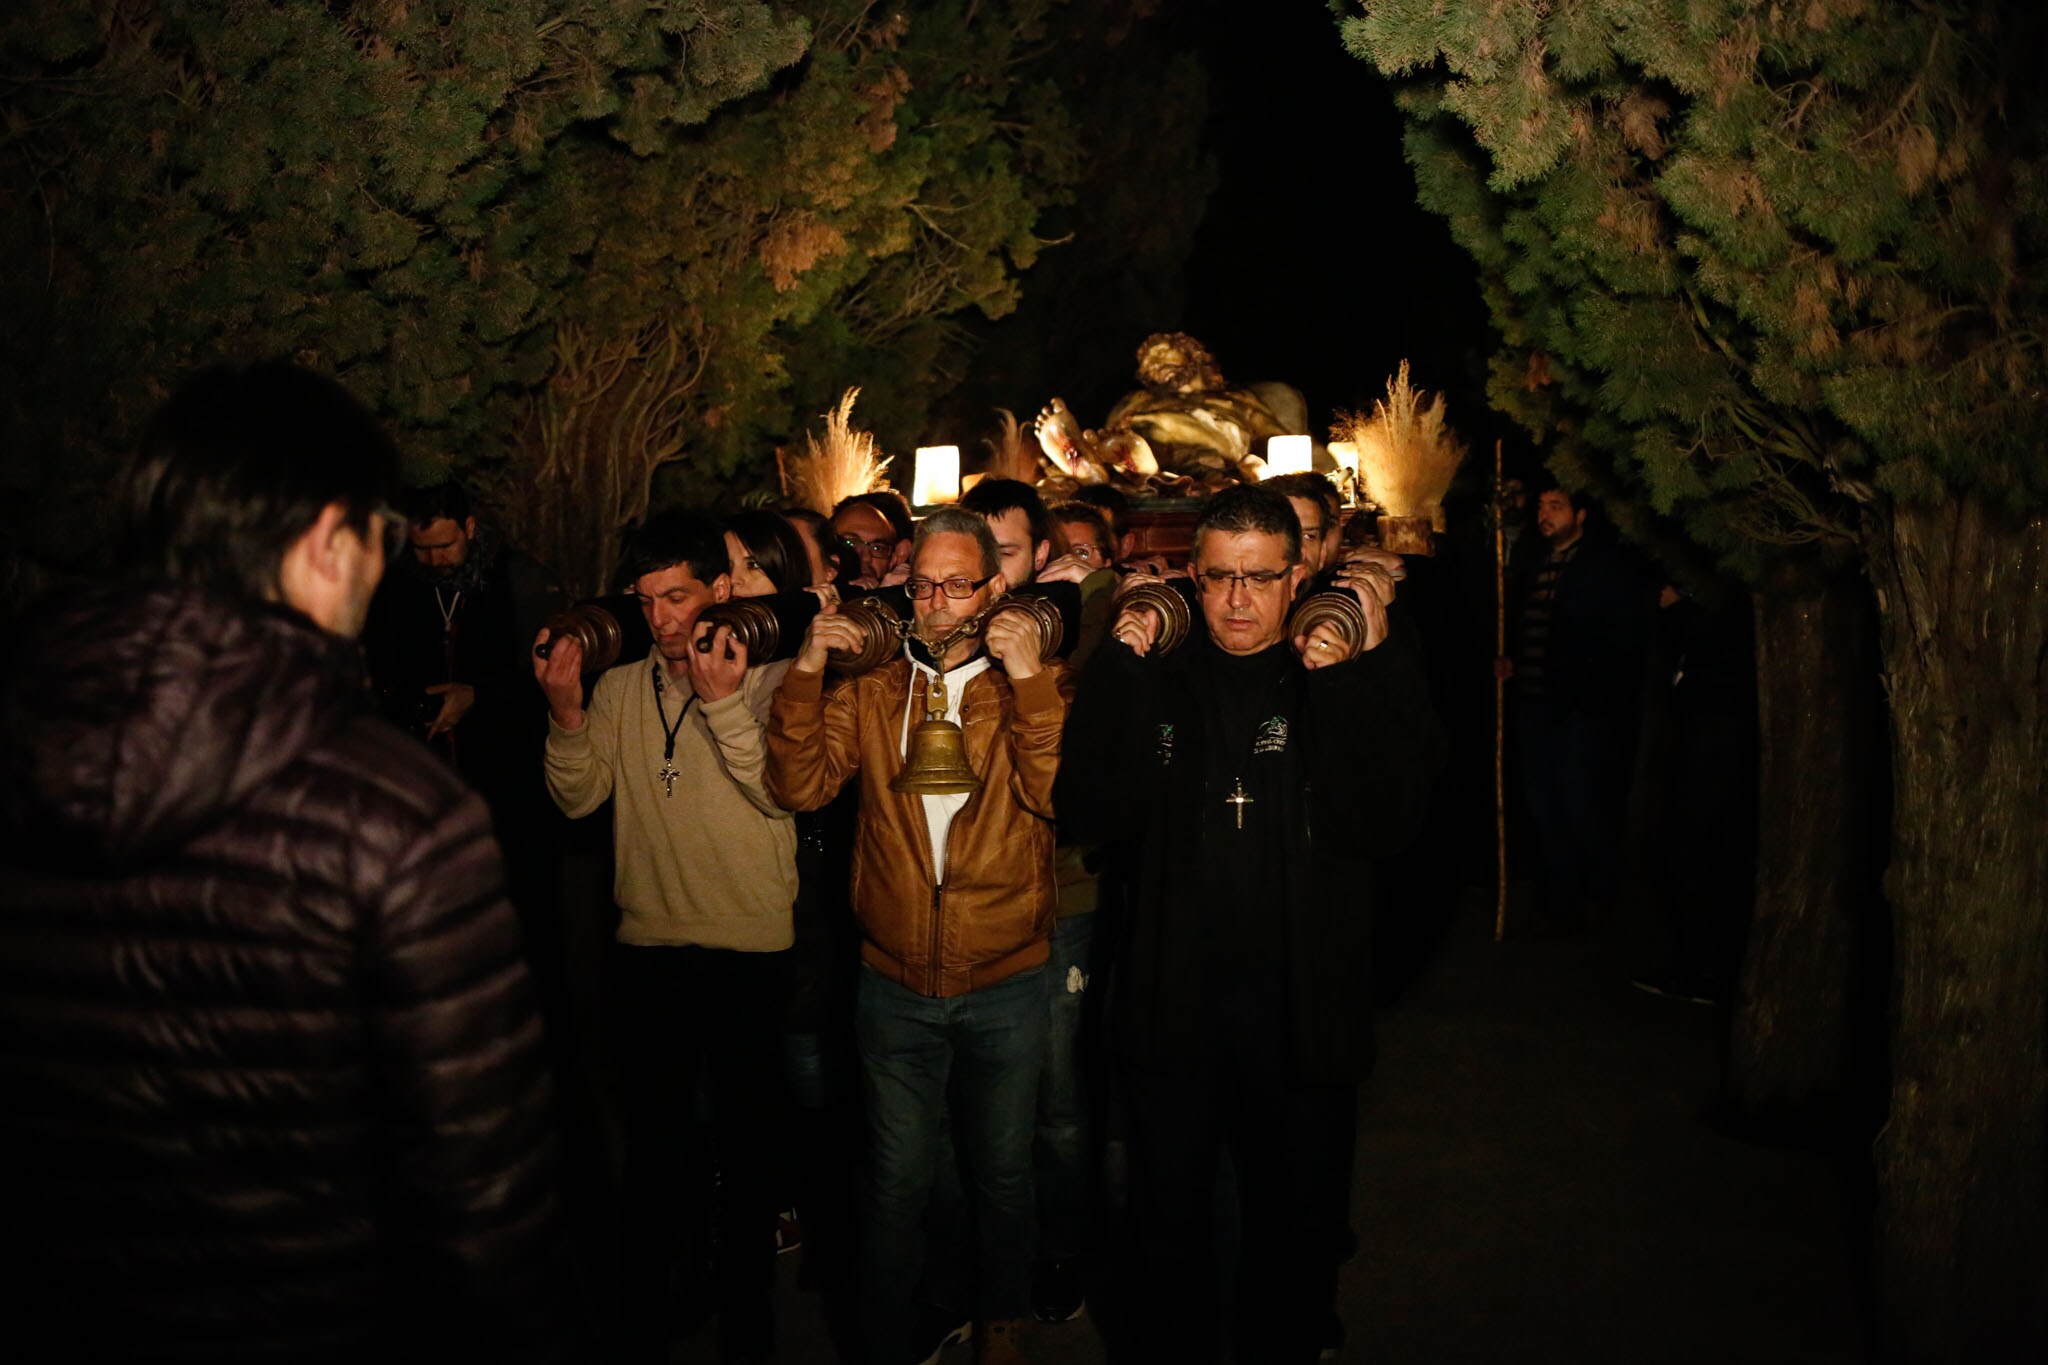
<point x="271" y="1081"/>
<point x="1256" y="775"/>
<point x="1582" y="614"/>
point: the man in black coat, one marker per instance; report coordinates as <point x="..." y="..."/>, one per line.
<point x="449" y="645"/>
<point x="271" y="1080"/>
<point x="450" y="642"/>
<point x="1582" y="614"/>
<point x="1259" y="775"/>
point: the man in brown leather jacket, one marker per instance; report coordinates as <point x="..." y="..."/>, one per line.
<point x="955" y="899"/>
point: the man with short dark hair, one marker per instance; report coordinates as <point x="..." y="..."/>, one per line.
<point x="448" y="644"/>
<point x="1016" y="516"/>
<point x="1114" y="504"/>
<point x="1082" y="531"/>
<point x="1582" y="616"/>
<point x="1320" y="510"/>
<point x="449" y="628"/>
<point x="706" y="878"/>
<point x="1257" y="774"/>
<point x="954" y="895"/>
<point x="273" y="1075"/>
<point x="876" y="526"/>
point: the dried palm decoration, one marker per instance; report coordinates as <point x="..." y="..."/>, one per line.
<point x="1009" y="457"/>
<point x="828" y="472"/>
<point x="1406" y="460"/>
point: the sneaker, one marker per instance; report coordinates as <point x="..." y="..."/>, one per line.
<point x="789" y="1233"/>
<point x="1057" y="1294"/>
<point x="934" y="1332"/>
<point x="1000" y="1343"/>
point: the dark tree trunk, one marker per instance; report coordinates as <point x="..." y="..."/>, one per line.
<point x="1962" y="1219"/>
<point x="1806" y="1011"/>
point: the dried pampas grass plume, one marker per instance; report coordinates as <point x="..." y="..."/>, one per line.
<point x="828" y="472"/>
<point x="1008" y="456"/>
<point x="1406" y="455"/>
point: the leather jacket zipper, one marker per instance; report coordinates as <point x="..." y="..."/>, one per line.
<point x="935" y="972"/>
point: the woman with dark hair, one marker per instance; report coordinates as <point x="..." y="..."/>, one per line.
<point x="831" y="561"/>
<point x="767" y="554"/>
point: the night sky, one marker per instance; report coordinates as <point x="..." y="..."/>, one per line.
<point x="1311" y="262"/>
<point x="1314" y="263"/>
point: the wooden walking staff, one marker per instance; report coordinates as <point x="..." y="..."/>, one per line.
<point x="1500" y="702"/>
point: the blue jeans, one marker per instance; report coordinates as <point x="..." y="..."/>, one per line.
<point x="990" y="1045"/>
<point x="1066" y="1117"/>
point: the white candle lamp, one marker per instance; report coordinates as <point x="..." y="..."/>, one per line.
<point x="937" y="476"/>
<point x="1289" y="455"/>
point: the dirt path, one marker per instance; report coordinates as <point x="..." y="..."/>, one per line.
<point x="1537" y="1182"/>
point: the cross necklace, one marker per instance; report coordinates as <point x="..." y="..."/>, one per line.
<point x="1239" y="799"/>
<point x="668" y="774"/>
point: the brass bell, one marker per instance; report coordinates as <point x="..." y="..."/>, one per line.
<point x="936" y="762"/>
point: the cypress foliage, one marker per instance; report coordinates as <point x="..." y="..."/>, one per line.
<point x="778" y="196"/>
<point x="1772" y="257"/>
<point x="1773" y="272"/>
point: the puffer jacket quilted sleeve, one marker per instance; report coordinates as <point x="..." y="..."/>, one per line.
<point x="271" y="1072"/>
<point x="455" y="1047"/>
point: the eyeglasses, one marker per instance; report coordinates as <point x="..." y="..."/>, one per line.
<point x="1257" y="580"/>
<point x="884" y="546"/>
<point x="955" y="588"/>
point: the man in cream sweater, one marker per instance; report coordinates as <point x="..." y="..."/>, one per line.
<point x="706" y="875"/>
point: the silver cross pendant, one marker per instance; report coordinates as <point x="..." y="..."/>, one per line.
<point x="667" y="777"/>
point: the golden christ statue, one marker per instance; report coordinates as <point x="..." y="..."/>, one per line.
<point x="1185" y="432"/>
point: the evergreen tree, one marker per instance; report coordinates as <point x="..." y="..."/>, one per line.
<point x="559" y="243"/>
<point x="1774" y="272"/>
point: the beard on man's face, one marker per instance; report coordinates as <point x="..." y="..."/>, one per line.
<point x="938" y="622"/>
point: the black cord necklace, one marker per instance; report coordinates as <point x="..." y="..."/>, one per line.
<point x="668" y="774"/>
